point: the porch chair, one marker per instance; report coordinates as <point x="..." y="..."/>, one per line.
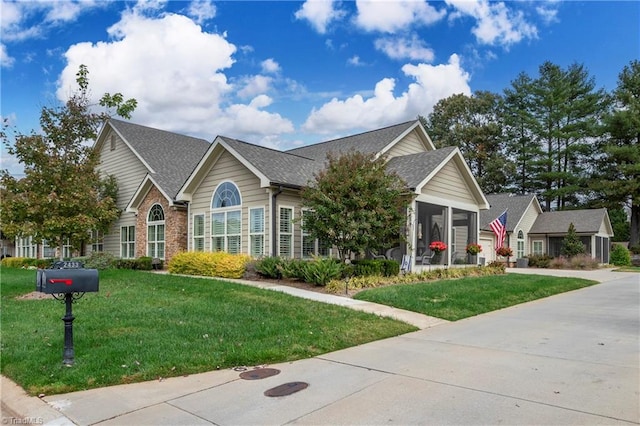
<point x="426" y="258"/>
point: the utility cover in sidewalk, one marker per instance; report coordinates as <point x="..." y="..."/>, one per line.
<point x="286" y="389"/>
<point x="259" y="373"/>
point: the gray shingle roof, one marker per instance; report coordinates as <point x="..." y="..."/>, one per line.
<point x="585" y="221"/>
<point x="367" y="143"/>
<point x="171" y="156"/>
<point x="516" y="205"/>
<point x="415" y="167"/>
<point x="279" y="167"/>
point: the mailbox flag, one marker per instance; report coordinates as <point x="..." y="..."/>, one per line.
<point x="499" y="227"/>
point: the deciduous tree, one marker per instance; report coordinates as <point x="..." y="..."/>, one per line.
<point x="62" y="197"/>
<point x="355" y="204"/>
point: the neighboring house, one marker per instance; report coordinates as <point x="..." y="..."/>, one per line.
<point x="150" y="166"/>
<point x="530" y="231"/>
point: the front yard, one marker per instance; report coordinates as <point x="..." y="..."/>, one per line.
<point x="143" y="326"/>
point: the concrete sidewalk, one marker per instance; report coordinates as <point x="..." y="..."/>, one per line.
<point x="568" y="359"/>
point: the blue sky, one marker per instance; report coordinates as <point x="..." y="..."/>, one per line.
<point x="287" y="73"/>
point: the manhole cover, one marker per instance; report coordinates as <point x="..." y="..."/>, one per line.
<point x="259" y="373"/>
<point x="286" y="389"/>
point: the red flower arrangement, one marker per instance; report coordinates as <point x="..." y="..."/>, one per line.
<point x="438" y="246"/>
<point x="473" y="248"/>
<point x="504" y="251"/>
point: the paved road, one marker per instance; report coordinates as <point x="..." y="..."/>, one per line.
<point x="573" y="358"/>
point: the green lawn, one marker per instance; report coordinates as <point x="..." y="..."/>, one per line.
<point x="143" y="326"/>
<point x="461" y="298"/>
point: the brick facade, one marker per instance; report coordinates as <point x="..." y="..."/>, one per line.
<point x="175" y="225"/>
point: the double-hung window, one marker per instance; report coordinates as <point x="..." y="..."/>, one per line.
<point x="226" y="219"/>
<point x="198" y="232"/>
<point x="155" y="232"/>
<point x="128" y="242"/>
<point x="256" y="231"/>
<point x="97" y="241"/>
<point x="520" y="250"/>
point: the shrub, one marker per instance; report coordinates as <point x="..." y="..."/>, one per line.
<point x="635" y="249"/>
<point x="144" y="263"/>
<point x="125" y="263"/>
<point x="539" y="260"/>
<point x="559" y="263"/>
<point x="357" y="283"/>
<point x="583" y="261"/>
<point x="320" y="271"/>
<point x="218" y="264"/>
<point x="367" y="267"/>
<point x="292" y="268"/>
<point x="100" y="260"/>
<point x="270" y="267"/>
<point x="391" y="268"/>
<point x="15" y="262"/>
<point x="620" y="256"/>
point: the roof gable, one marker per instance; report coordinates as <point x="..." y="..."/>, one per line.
<point x="169" y="157"/>
<point x="417" y="170"/>
<point x="516" y="206"/>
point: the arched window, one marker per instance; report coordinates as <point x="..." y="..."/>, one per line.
<point x="155" y="232"/>
<point x="226" y="195"/>
<point x="520" y="251"/>
<point x="226" y="218"/>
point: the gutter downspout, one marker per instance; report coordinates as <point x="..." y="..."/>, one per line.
<point x="274" y="222"/>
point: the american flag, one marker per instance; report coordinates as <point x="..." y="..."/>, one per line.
<point x="499" y="227"/>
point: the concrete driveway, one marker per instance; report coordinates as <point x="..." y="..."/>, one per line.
<point x="573" y="358"/>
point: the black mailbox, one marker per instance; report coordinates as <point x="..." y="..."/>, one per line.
<point x="56" y="281"/>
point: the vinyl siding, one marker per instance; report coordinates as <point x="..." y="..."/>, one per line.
<point x="448" y="184"/>
<point x="528" y="218"/>
<point x="227" y="168"/>
<point x="129" y="172"/>
<point x="410" y="144"/>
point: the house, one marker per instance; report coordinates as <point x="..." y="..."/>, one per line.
<point x="181" y="193"/>
<point x="150" y="166"/>
<point x="531" y="231"/>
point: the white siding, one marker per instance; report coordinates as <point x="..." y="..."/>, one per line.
<point x="129" y="172"/>
<point x="410" y="144"/>
<point x="528" y="218"/>
<point x="228" y="168"/>
<point x="448" y="184"/>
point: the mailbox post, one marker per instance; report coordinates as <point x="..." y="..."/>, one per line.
<point x="67" y="281"/>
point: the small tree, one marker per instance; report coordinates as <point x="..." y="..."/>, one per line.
<point x="571" y="244"/>
<point x="355" y="204"/>
<point x="62" y="196"/>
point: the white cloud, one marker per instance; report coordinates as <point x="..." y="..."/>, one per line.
<point x="405" y="48"/>
<point x="392" y="16"/>
<point x="254" y="86"/>
<point x="355" y="61"/>
<point x="432" y="83"/>
<point x="496" y="24"/>
<point x="176" y="72"/>
<point x="269" y="66"/>
<point x="16" y="17"/>
<point x="6" y="61"/>
<point x="320" y="14"/>
<point x="201" y="10"/>
<point x="548" y="12"/>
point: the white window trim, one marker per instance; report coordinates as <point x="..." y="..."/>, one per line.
<point x="155" y="223"/>
<point x="290" y="234"/>
<point x="128" y="242"/>
<point x="193" y="231"/>
<point x="520" y="246"/>
<point x="254" y="234"/>
<point x="533" y="243"/>
<point x="225" y="235"/>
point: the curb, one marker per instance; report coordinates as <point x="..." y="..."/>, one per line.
<point x="20" y="408"/>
